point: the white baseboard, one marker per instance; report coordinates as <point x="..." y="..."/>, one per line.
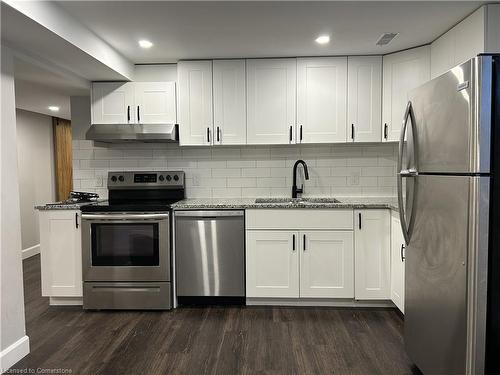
<point x="331" y="302"/>
<point x="14" y="353"/>
<point x="66" y="301"/>
<point x="30" y="251"/>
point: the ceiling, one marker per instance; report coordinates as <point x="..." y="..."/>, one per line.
<point x="191" y="30"/>
<point x="38" y="87"/>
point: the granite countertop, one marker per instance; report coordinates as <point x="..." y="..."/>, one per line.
<point x="242" y="203"/>
<point x="66" y="206"/>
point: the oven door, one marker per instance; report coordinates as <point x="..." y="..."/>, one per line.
<point x="126" y="247"/>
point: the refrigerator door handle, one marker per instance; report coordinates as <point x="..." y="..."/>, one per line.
<point x="410" y="172"/>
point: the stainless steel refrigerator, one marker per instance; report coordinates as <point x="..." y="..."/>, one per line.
<point x="448" y="206"/>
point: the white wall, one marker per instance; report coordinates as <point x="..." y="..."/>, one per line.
<point x="35" y="151"/>
<point x="246" y="171"/>
<point x="155" y="73"/>
<point x="14" y="344"/>
<point x="80" y="116"/>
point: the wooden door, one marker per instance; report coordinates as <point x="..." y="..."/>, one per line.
<point x="63" y="157"/>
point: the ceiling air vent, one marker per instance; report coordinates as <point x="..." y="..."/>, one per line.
<point x="386" y="38"/>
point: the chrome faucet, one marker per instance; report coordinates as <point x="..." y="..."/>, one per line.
<point x="296" y="190"/>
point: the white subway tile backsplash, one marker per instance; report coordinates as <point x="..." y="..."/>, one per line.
<point x="246" y="171"/>
<point x="271" y="182"/>
<point x="226" y="192"/>
<point x="241" y="182"/>
<point x="226" y="172"/>
<point x="82" y="154"/>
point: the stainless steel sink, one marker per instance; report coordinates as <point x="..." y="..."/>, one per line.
<point x="297" y="200"/>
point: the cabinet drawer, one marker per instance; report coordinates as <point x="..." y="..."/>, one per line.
<point x="341" y="219"/>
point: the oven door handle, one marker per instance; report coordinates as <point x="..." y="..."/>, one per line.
<point x="125" y="216"/>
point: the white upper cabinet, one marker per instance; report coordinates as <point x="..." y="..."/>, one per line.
<point x="321" y="99"/>
<point x="271" y="99"/>
<point x="364" y="99"/>
<point x="229" y="90"/>
<point x="113" y="103"/>
<point x="326" y="264"/>
<point x="155" y="102"/>
<point x="372" y="248"/>
<point x="461" y="43"/>
<point x="194" y="106"/>
<point x="402" y="72"/>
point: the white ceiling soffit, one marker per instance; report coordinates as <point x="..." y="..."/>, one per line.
<point x="191" y="30"/>
<point x="44" y="30"/>
<point x="37" y="98"/>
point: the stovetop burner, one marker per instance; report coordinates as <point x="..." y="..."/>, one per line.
<point x="150" y="191"/>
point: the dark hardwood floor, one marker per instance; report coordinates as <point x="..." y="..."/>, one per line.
<point x="211" y="340"/>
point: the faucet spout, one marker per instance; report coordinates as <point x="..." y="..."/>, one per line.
<point x="295" y="189"/>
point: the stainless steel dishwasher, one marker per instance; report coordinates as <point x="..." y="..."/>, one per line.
<point x="210" y="253"/>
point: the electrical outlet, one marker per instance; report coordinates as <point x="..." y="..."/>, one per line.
<point x="196" y="180"/>
<point x="354" y="179"/>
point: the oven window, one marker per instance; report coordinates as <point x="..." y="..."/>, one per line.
<point x="133" y="244"/>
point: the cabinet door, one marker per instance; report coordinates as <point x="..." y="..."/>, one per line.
<point x="321" y="99"/>
<point x="61" y="253"/>
<point x="372" y="267"/>
<point x="230" y="122"/>
<point x="364" y="98"/>
<point x="397" y="264"/>
<point x="271" y="97"/>
<point x="402" y="72"/>
<point x="113" y="103"/>
<point x="272" y="264"/>
<point x="155" y="102"/>
<point x="326" y="264"/>
<point x="194" y="111"/>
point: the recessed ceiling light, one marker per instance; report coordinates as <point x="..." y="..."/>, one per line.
<point x="145" y="43"/>
<point x="53" y="108"/>
<point x="323" y="39"/>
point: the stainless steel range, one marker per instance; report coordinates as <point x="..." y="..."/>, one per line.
<point x="126" y="242"/>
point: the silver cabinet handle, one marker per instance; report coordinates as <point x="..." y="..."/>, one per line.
<point x="125" y="216"/>
<point x="202" y="213"/>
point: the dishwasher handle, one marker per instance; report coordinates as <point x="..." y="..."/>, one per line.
<point x="210" y="214"/>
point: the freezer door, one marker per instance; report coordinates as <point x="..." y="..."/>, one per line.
<point x="435" y="287"/>
<point x="453" y="120"/>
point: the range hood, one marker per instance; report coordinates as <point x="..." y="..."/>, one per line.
<point x="116" y="133"/>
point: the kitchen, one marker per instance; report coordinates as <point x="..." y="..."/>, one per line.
<point x="229" y="200"/>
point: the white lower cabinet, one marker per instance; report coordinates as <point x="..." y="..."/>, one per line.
<point x="326" y="264"/>
<point x="293" y="264"/>
<point x="397" y="263"/>
<point x="61" y="253"/>
<point x="294" y="254"/>
<point x="272" y="264"/>
<point x="372" y="254"/>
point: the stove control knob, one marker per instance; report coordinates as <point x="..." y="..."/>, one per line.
<point x="161" y="178"/>
<point x="169" y="177"/>
<point x="176" y="178"/>
<point x="121" y="178"/>
<point x="113" y="178"/>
